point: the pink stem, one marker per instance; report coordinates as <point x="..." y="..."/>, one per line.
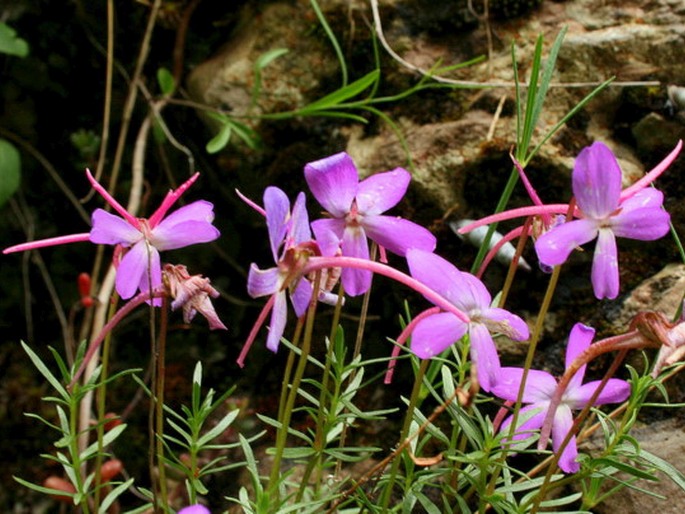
<point x="652" y="175"/>
<point x="110" y="200"/>
<point x="251" y="203"/>
<point x="533" y="210"/>
<point x="255" y="329"/>
<point x="493" y="251"/>
<point x="403" y="339"/>
<point x="169" y="200"/>
<point x="109" y="326"/>
<point x="52" y="241"/>
<point x="317" y="263"/>
<point x="546" y="218"/>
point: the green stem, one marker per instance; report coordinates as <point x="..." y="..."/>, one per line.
<point x="324" y="407"/>
<point x="101" y="407"/>
<point x="534" y="339"/>
<point x="159" y="403"/>
<point x="284" y="420"/>
<point x="409" y="417"/>
<point x="74" y="447"/>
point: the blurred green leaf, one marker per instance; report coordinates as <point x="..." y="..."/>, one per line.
<point x="10" y="43"/>
<point x="10" y="170"/>
<point x="166" y="81"/>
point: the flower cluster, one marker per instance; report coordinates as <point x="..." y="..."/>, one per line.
<point x="354" y="213"/>
<point x="355" y="209"/>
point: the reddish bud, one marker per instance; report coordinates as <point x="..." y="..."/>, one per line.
<point x="84" y="284"/>
<point x="110" y="469"/>
<point x="112" y="420"/>
<point x="59" y="484"/>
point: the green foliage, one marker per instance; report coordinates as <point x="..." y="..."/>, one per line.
<point x="193" y="436"/>
<point x="10" y="170"/>
<point x="10" y="43"/>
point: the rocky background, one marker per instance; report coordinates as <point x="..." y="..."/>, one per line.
<point x="455" y="139"/>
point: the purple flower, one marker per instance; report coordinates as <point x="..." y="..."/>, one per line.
<point x="194" y="509"/>
<point x="437" y="332"/>
<point x="605" y="215"/>
<point x="540" y="388"/>
<point x="356" y="212"/>
<point x="142" y="239"/>
<point x="290" y="238"/>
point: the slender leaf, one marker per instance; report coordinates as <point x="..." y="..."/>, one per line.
<point x="42" y="368"/>
<point x="219" y="428"/>
<point x="113" y="495"/>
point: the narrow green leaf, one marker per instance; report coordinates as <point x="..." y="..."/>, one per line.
<point x="42" y="368"/>
<point x="220" y="428"/>
<point x="113" y="495"/>
<point x="269" y="56"/>
<point x="107" y="439"/>
<point x="342" y="94"/>
<point x="665" y="467"/>
<point x="41" y="489"/>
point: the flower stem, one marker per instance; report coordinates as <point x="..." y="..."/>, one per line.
<point x="409" y="417"/>
<point x="318" y="263"/>
<point x="101" y="405"/>
<point x="284" y="419"/>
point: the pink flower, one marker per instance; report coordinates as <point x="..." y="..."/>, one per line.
<point x="604" y="215"/>
<point x="539" y="389"/>
<point x="436" y="332"/>
<point x="142" y="239"/>
<point x="356" y="213"/>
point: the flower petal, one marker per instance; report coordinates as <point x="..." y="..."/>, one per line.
<point x="262" y="282"/>
<point x="435" y="333"/>
<point x="615" y="391"/>
<point x="473" y="296"/>
<point x="186" y="226"/>
<point x="354" y="244"/>
<point x="645" y="224"/>
<point x="563" y="421"/>
<point x="540" y="385"/>
<point x="154" y="279"/>
<point x="382" y="191"/>
<point x="554" y="246"/>
<point x="301" y="296"/>
<point x="579" y="340"/>
<point x="329" y="233"/>
<point x="279" y="316"/>
<point x="435" y="272"/>
<point x="277" y="208"/>
<point x="109" y="229"/>
<point x="131" y="269"/>
<point x="484" y="356"/>
<point x="648" y="197"/>
<point x="397" y="234"/>
<point x="504" y="322"/>
<point x="605" y="281"/>
<point x="299" y="230"/>
<point x="333" y="182"/>
<point x="597" y="181"/>
<point x="534" y="415"/>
